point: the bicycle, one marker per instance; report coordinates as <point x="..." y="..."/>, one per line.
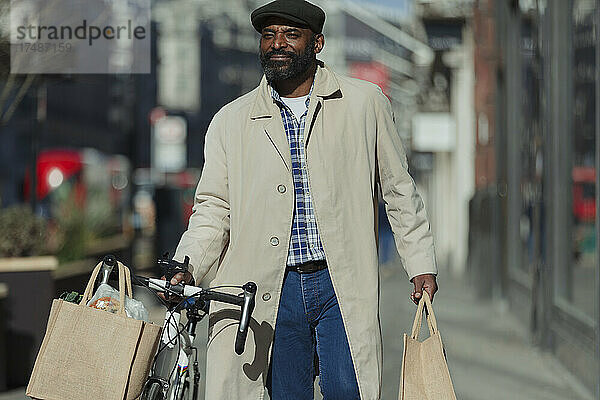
<point x="169" y="377"/>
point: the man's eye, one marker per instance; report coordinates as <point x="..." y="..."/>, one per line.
<point x="267" y="35"/>
<point x="292" y="35"/>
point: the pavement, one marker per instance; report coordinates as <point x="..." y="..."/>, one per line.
<point x="489" y="353"/>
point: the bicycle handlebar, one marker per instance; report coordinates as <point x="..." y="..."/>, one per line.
<point x="245" y="302"/>
<point x="247" y="308"/>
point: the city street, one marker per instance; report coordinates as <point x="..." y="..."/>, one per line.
<point x="488" y="352"/>
<point x="491" y="106"/>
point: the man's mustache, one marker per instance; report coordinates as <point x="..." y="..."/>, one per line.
<point x="279" y="53"/>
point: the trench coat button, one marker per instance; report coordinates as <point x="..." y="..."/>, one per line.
<point x="266" y="296"/>
<point x="274" y="241"/>
<point x="281" y="188"/>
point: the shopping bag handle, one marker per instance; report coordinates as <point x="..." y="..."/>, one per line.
<point x="125" y="288"/>
<point x="424" y="304"/>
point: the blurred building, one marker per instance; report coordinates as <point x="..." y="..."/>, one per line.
<point x="534" y="222"/>
<point x="443" y="127"/>
<point x="208" y="55"/>
<point x="107" y="113"/>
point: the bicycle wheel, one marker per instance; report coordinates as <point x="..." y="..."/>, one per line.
<point x="154" y="390"/>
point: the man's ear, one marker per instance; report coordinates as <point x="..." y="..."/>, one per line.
<point x="319" y="42"/>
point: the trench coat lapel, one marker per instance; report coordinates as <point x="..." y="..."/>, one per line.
<point x="266" y="112"/>
<point x="326" y="88"/>
<point x="273" y="128"/>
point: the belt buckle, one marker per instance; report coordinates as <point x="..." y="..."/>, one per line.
<point x="309" y="267"/>
<point x="313" y="266"/>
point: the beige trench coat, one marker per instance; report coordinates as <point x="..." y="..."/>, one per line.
<point x="242" y="220"/>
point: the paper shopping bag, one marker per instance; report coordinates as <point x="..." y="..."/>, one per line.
<point x="93" y="354"/>
<point x="425" y="374"/>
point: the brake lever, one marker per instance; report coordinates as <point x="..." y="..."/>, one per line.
<point x="170" y="268"/>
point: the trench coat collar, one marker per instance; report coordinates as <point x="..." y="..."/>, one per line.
<point x="325" y="86"/>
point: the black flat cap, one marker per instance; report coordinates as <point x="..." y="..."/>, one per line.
<point x="298" y="11"/>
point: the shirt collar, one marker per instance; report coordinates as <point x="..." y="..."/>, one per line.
<point x="326" y="87"/>
<point x="277" y="98"/>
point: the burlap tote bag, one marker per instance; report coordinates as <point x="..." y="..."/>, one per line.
<point x="425" y="374"/>
<point x="93" y="354"/>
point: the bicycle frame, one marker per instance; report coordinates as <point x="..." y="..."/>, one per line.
<point x="173" y="375"/>
<point x="169" y="377"/>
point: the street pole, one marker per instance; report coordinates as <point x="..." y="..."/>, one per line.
<point x="38" y="127"/>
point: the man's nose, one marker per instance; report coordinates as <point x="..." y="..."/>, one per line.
<point x="279" y="41"/>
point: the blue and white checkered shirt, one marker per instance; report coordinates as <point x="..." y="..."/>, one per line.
<point x="305" y="244"/>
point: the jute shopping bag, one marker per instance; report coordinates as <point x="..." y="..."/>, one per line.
<point x="425" y="374"/>
<point x="93" y="354"/>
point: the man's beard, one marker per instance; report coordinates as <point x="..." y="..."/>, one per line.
<point x="298" y="64"/>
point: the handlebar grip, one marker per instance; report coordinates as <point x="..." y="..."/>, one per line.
<point x="247" y="308"/>
<point x="240" y="341"/>
<point x="223" y="297"/>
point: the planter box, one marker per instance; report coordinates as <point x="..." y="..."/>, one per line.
<point x="26" y="309"/>
<point x="32" y="283"/>
<point x="74" y="275"/>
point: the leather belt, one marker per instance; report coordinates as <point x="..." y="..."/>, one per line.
<point x="308" y="267"/>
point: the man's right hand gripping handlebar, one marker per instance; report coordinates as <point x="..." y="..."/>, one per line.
<point x="175" y="272"/>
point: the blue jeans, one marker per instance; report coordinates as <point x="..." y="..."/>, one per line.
<point x="309" y="319"/>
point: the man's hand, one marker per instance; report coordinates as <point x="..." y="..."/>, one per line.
<point x="423" y="282"/>
<point x="177" y="278"/>
<point x="184" y="277"/>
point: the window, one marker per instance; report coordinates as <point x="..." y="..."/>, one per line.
<point x="583" y="175"/>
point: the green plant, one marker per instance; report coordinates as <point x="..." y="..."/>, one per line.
<point x="22" y="233"/>
<point x="70" y="227"/>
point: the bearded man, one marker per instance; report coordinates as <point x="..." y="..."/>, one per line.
<point x="288" y="199"/>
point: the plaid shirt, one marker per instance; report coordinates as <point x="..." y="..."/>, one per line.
<point x="305" y="243"/>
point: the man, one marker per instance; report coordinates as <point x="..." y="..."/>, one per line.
<point x="287" y="199"/>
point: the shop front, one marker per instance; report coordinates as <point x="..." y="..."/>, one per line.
<point x="545" y="183"/>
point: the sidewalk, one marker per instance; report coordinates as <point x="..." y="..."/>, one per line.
<point x="488" y="352"/>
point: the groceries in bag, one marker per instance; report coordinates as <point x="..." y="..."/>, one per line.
<point x="91" y="354"/>
<point x="107" y="298"/>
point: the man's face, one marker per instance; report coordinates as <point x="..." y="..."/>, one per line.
<point x="287" y="50"/>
